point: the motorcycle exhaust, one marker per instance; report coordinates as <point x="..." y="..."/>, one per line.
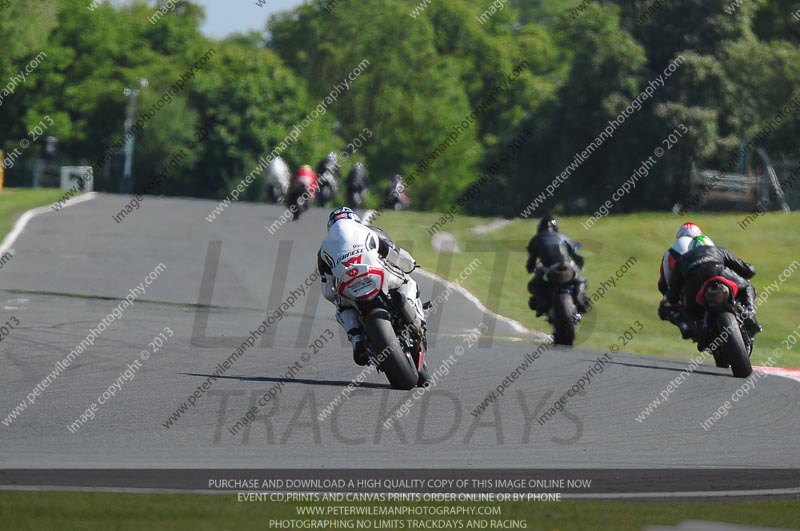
<point x="559" y="274"/>
<point x="717" y="294"/>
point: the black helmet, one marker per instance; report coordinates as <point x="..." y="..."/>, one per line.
<point x="548" y="223"/>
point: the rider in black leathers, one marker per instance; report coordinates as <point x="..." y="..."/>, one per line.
<point x="703" y="262"/>
<point x="328" y="173"/>
<point x="329" y="163"/>
<point x="356" y="185"/>
<point x="396" y="197"/>
<point x="551" y="247"/>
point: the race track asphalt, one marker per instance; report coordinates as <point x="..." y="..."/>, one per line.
<point x="71" y="268"/>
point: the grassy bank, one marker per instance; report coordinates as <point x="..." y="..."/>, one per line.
<point x="771" y="242"/>
<point x="44" y="511"/>
<point x="15" y="201"/>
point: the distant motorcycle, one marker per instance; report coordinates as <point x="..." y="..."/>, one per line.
<point x="302" y="191"/>
<point x="356" y="186"/>
<point x="396" y="347"/>
<point x="722" y="326"/>
<point x="278" y="177"/>
<point x="563" y="314"/>
<point x="398" y="200"/>
<point x="328" y="188"/>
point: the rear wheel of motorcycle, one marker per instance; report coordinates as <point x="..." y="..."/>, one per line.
<point x="398" y="367"/>
<point x="734" y="347"/>
<point x="564" y="325"/>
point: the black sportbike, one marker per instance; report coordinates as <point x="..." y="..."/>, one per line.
<point x="299" y="198"/>
<point x="722" y="330"/>
<point x="563" y="314"/>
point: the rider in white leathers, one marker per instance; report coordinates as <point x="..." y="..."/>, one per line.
<point x="347" y="239"/>
<point x="278" y="176"/>
<point x="683" y="239"/>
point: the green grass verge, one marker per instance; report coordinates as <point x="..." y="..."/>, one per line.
<point x="15" y="201"/>
<point x="44" y="511"/>
<point x="771" y="242"/>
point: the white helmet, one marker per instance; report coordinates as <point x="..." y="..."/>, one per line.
<point x="689" y="229"/>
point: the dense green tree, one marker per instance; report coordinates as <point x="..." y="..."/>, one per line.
<point x="25" y="27"/>
<point x="408" y="95"/>
<point x="274" y="101"/>
<point x="777" y="20"/>
<point x="607" y="59"/>
<point x="432" y="84"/>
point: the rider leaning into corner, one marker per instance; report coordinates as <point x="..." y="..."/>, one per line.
<point x="550" y="247"/>
<point x="683" y="239"/>
<point x="347" y="238"/>
<point x="701" y="262"/>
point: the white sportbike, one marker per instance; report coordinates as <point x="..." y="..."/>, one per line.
<point x="374" y="288"/>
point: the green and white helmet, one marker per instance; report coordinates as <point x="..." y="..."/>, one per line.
<point x="701" y="241"/>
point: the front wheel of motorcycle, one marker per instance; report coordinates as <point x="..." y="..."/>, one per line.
<point x="734" y="347"/>
<point x="392" y="359"/>
<point x="564" y="320"/>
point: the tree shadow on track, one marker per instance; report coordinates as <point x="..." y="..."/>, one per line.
<point x="302" y="381"/>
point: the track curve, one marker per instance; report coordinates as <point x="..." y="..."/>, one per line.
<point x="71" y="268"/>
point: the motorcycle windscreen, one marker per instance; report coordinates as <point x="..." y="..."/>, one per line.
<point x="360" y="282"/>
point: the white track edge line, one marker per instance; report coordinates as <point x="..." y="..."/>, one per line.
<point x="23" y="220"/>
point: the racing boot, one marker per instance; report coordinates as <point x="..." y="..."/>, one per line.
<point x="348" y="319"/>
<point x="359" y="342"/>
<point x="704" y="338"/>
<point x="750" y="321"/>
<point x="541" y="298"/>
<point x="686" y="330"/>
<point x="664" y="310"/>
<point x="532" y="291"/>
